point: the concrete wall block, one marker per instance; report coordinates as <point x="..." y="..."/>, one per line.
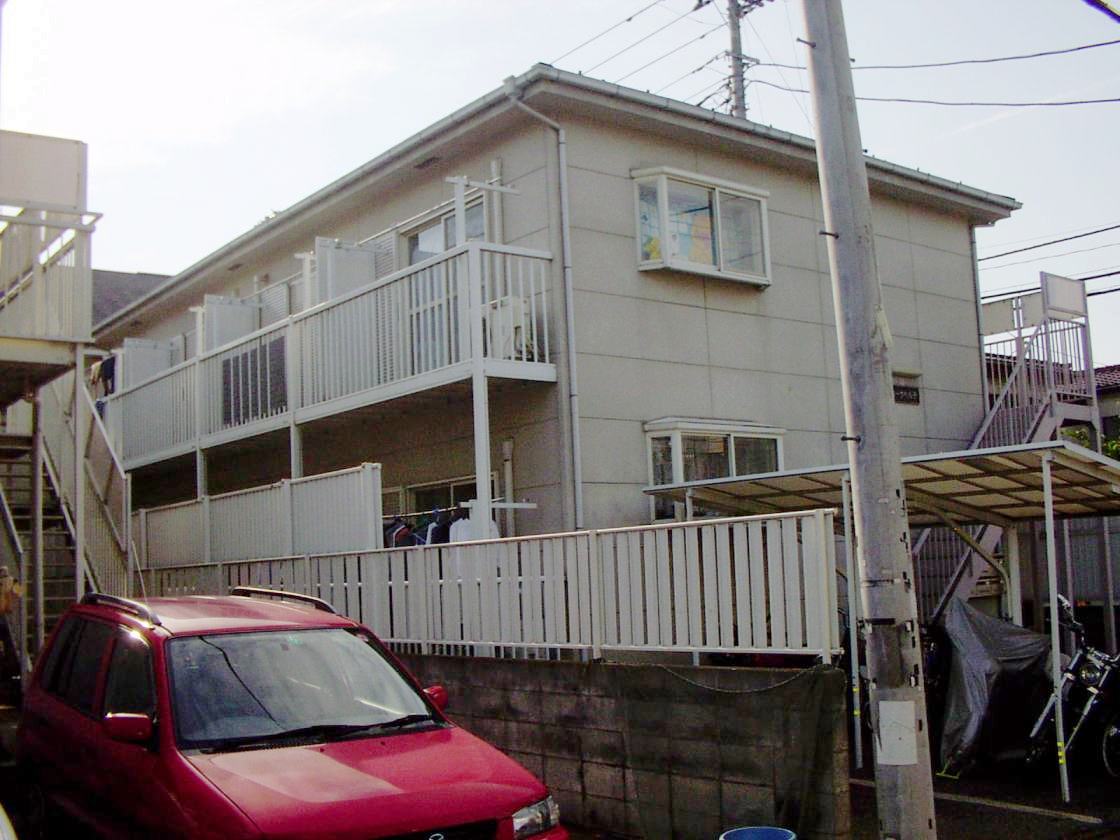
<point x="522" y="705"/>
<point x="689" y="793"/>
<point x="648" y="751"/>
<point x="744" y="804"/>
<point x="571" y="805"/>
<point x="601" y="745"/>
<point x="752" y="764"/>
<point x="574" y="678"/>
<point x="604" y="780"/>
<point x="562" y="741"/>
<point x="525" y="737"/>
<point x="604" y="813"/>
<point x="574" y="710"/>
<point x="651" y="789"/>
<point x="695" y="757"/>
<point x="696" y="825"/>
<point x="530" y="761"/>
<point x="562" y="774"/>
<point x="694" y="720"/>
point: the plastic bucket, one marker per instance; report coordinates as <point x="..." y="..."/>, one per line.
<point x="758" y="833"/>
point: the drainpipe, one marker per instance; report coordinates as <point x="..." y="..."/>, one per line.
<point x="979" y="320"/>
<point x="569" y="298"/>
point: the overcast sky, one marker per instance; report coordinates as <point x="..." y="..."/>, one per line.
<point x="203" y="117"/>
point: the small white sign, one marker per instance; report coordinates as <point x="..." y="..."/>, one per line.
<point x="898" y="740"/>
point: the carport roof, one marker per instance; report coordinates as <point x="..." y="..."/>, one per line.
<point x="997" y="486"/>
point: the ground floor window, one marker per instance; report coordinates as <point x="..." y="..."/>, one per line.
<point x="690" y="449"/>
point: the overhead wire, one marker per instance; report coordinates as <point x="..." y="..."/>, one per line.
<point x="908" y="101"/>
<point x="961" y="62"/>
<point x="608" y="30"/>
<point x="1033" y="239"/>
<point x="1051" y="242"/>
<point x="663" y="56"/>
<point x="1048" y="256"/>
<point x="800" y="107"/>
<point x="636" y="43"/>
<point x="703" y="66"/>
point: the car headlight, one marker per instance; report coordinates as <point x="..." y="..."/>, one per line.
<point x="1090" y="673"/>
<point x="535" y="818"/>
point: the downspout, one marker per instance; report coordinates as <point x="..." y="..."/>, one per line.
<point x="979" y="320"/>
<point x="569" y="297"/>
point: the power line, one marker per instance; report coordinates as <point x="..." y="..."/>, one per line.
<point x="800" y="107"/>
<point x="1011" y="292"/>
<point x="708" y="87"/>
<point x="1048" y="257"/>
<point x="703" y="66"/>
<point x="608" y="30"/>
<point x="639" y="41"/>
<point x="964" y="61"/>
<point x="1051" y="242"/>
<point x="944" y="102"/>
<point x="1035" y="239"/>
<point x="1102" y="6"/>
<point x="705" y="34"/>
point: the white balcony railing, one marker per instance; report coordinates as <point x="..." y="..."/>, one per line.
<point x="405" y="332"/>
<point x="45" y="276"/>
<point x="333" y="511"/>
<point x="756" y="584"/>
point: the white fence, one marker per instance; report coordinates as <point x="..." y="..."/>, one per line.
<point x="742" y="585"/>
<point x="45" y="276"/>
<point x="416" y="322"/>
<point x="337" y="511"/>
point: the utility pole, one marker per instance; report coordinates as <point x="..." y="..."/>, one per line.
<point x="904" y="782"/>
<point x="738" y="84"/>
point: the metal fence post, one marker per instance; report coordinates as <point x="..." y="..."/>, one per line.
<point x="598" y="608"/>
<point x="207" y="537"/>
<point x="290" y="510"/>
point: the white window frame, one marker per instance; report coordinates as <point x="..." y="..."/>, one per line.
<point x="661" y="176"/>
<point x="409" y="492"/>
<point x="675" y="428"/>
<point x="439" y="216"/>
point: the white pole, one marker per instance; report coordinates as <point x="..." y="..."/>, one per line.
<point x="1055" y="646"/>
<point x="481" y="511"/>
<point x="904" y="779"/>
<point x="738" y="83"/>
<point x="1014" y="575"/>
<point x="853" y="614"/>
<point x="79" y="500"/>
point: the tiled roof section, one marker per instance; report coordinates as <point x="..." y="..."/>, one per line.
<point x="114" y="290"/>
<point x="1108" y="378"/>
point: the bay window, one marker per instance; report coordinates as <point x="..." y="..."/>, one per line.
<point x="684" y="449"/>
<point x="702" y="225"/>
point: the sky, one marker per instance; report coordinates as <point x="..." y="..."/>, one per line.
<point x="202" y="118"/>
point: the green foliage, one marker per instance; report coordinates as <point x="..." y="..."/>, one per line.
<point x="1080" y="436"/>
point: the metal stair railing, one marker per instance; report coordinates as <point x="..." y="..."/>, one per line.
<point x="1048" y="370"/>
<point x="106" y="520"/>
<point x="18" y="559"/>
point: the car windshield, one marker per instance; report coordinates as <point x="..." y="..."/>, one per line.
<point x="246" y="690"/>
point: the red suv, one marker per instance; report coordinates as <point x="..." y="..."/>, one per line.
<point x="251" y="717"/>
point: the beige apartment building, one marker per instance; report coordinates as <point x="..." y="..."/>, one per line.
<point x="575" y="288"/>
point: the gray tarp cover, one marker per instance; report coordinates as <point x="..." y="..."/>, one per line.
<point x="986" y="652"/>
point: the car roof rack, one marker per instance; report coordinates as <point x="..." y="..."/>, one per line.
<point x="249" y="591"/>
<point x="127" y="604"/>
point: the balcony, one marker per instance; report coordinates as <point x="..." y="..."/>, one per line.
<point x="476" y="309"/>
<point x="45" y="277"/>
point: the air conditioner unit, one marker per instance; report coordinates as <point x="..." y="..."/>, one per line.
<point x="508" y="329"/>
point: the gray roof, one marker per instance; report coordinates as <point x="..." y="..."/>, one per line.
<point x="114" y="290"/>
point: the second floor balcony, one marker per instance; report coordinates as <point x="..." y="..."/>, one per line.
<point x="410" y="331"/>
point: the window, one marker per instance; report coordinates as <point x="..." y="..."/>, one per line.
<point x="447" y="494"/>
<point x="72" y="673"/>
<point x="129" y="686"/>
<point x="683" y="449"/>
<point x="691" y="223"/>
<point x="439" y="235"/>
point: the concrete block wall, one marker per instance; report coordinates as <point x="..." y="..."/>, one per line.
<point x="649" y="751"/>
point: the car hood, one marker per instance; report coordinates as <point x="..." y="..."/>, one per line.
<point x="372" y="787"/>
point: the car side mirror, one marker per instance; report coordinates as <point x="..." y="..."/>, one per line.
<point x="127" y="727"/>
<point x="438" y="695"/>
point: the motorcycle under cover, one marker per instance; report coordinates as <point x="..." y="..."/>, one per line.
<point x="990" y="657"/>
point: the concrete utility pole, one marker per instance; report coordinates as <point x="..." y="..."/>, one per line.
<point x="738" y="84"/>
<point x="904" y="782"/>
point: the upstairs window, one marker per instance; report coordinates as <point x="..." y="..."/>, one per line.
<point x="438" y="235"/>
<point x="701" y="225"/>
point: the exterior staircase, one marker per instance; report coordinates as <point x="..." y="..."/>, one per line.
<point x="59" y="586"/>
<point x="1040" y="379"/>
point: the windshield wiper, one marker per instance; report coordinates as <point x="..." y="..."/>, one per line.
<point x="327" y="731"/>
<point x="407" y="720"/>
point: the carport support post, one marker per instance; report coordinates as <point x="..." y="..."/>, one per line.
<point x="904" y="779"/>
<point x="853" y="614"/>
<point x="1055" y="647"/>
<point x="480" y="512"/>
<point x="1014" y="575"/>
